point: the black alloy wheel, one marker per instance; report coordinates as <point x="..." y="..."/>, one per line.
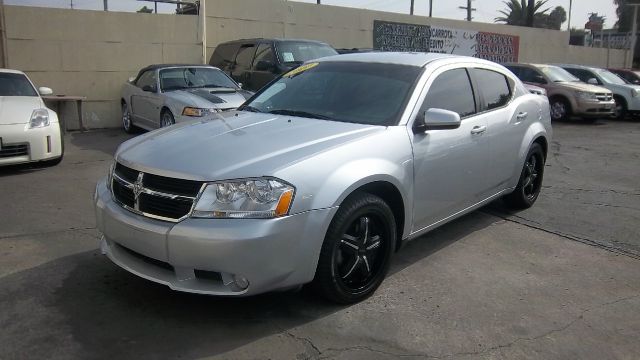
<point x="530" y="183"/>
<point x="356" y="253"/>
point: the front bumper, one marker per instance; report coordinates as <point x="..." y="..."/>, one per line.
<point x="587" y="108"/>
<point x="22" y="145"/>
<point x="212" y="256"/>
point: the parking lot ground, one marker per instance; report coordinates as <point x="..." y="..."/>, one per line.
<point x="558" y="281"/>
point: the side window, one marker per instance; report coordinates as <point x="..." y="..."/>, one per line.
<point x="264" y="53"/>
<point x="244" y="57"/>
<point x="495" y="88"/>
<point x="583" y="75"/>
<point x="516" y="70"/>
<point x="452" y="91"/>
<point x="532" y="76"/>
<point x="148" y="78"/>
<point x="223" y="55"/>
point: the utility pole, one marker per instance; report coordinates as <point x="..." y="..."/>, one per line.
<point x="569" y="19"/>
<point x="106" y="5"/>
<point x="469" y="9"/>
<point x="634" y="32"/>
<point x="318" y="2"/>
<point x="71" y="4"/>
<point x="430" y="8"/>
<point x="411" y="11"/>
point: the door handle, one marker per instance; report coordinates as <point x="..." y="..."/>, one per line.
<point x="521" y="116"/>
<point x="478" y="130"/>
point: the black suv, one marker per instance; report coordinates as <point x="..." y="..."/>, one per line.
<point x="255" y="62"/>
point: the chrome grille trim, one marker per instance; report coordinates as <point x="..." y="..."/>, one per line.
<point x="138" y="189"/>
<point x="604" y="96"/>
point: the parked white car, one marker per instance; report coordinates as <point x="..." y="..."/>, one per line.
<point x="29" y="131"/>
<point x="162" y="95"/>
<point x="625" y="95"/>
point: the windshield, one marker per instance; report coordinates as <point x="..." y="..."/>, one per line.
<point x="194" y="77"/>
<point x="297" y="52"/>
<point x="558" y="74"/>
<point x="16" y="85"/>
<point x="364" y="93"/>
<point x="609" y="77"/>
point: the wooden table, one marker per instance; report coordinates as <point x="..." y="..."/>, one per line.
<point x="59" y="99"/>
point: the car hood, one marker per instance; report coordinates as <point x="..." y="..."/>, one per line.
<point x="18" y="109"/>
<point x="580" y="86"/>
<point x="235" y="145"/>
<point x="222" y="98"/>
<point x="620" y="88"/>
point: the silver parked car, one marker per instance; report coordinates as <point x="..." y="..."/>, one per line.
<point x="323" y="174"/>
<point x="162" y="95"/>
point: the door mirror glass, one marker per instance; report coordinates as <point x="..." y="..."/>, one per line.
<point x="592" y="81"/>
<point x="149" y="88"/>
<point x="436" y="119"/>
<point x="45" y="91"/>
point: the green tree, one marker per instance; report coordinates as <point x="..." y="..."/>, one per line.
<point x="521" y="13"/>
<point x="625" y="14"/>
<point x="145" y="10"/>
<point x="555" y="19"/>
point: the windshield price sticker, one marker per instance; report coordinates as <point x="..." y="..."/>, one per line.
<point x="300" y="70"/>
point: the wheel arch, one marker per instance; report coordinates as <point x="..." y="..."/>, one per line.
<point x="570" y="101"/>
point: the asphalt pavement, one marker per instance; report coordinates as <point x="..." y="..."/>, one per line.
<point x="558" y="281"/>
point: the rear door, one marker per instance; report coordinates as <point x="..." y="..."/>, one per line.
<point x="508" y="117"/>
<point x="263" y="69"/>
<point x="449" y="165"/>
<point x="242" y="64"/>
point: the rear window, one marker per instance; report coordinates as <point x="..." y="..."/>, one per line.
<point x="15" y="85"/>
<point x="495" y="88"/>
<point x="297" y="52"/>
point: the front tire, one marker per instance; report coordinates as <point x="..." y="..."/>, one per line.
<point x="620" y="109"/>
<point x="166" y="119"/>
<point x="560" y="109"/>
<point x="357" y="249"/>
<point x="530" y="183"/>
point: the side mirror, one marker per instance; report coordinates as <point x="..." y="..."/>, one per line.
<point x="45" y="90"/>
<point x="240" y="85"/>
<point x="539" y="79"/>
<point x="264" y="65"/>
<point x="132" y="79"/>
<point x="436" y="119"/>
<point x="592" y="81"/>
<point x="149" y="88"/>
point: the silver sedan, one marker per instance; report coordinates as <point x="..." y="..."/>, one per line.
<point x="323" y="175"/>
<point x="162" y="95"/>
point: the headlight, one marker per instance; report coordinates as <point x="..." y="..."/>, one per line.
<point x="635" y="92"/>
<point x="198" y="112"/>
<point x="260" y="198"/>
<point x="110" y="175"/>
<point x="39" y="118"/>
<point x="585" y="95"/>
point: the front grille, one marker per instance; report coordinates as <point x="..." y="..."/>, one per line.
<point x="604" y="97"/>
<point x="14" y="150"/>
<point x="155" y="196"/>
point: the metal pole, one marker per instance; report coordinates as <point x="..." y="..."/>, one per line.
<point x="411" y="11"/>
<point x="71" y="4"/>
<point x="430" y="8"/>
<point x="634" y="32"/>
<point x="468" y="10"/>
<point x="203" y="10"/>
<point x="318" y="2"/>
<point x="155" y="5"/>
<point x="106" y="5"/>
<point x="569" y="20"/>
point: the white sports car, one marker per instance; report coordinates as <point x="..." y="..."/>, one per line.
<point x="29" y="131"/>
<point x="162" y="95"/>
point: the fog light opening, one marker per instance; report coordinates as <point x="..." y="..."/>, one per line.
<point x="241" y="281"/>
<point x="48" y="144"/>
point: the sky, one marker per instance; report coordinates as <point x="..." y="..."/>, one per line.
<point x="486" y="11"/>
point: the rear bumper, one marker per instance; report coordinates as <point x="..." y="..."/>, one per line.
<point x="212" y="256"/>
<point x="22" y="145"/>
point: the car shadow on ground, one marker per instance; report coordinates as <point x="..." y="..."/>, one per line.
<point x="111" y="313"/>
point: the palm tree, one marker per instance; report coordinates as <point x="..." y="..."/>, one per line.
<point x="522" y="13"/>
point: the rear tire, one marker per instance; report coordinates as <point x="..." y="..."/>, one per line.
<point x="357" y="249"/>
<point x="166" y="119"/>
<point x="530" y="183"/>
<point x="127" y="121"/>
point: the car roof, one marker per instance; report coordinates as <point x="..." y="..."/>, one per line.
<point x="274" y="39"/>
<point x="11" y="71"/>
<point x="162" y="66"/>
<point x="403" y="58"/>
<point x="574" y="66"/>
<point x="528" y="64"/>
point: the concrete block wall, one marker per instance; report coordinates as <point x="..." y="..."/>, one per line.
<point x="92" y="53"/>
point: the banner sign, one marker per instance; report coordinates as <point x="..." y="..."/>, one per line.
<point x="392" y="36"/>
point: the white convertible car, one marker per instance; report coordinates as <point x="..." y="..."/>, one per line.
<point x="29" y="131"/>
<point x="164" y="94"/>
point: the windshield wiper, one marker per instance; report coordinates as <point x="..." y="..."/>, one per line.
<point x="299" y="113"/>
<point x="251" y="109"/>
